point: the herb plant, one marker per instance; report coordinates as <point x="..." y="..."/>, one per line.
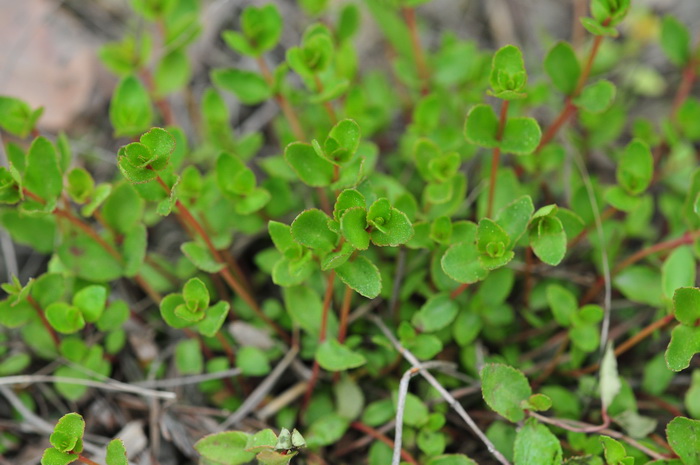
<point x="508" y="226"/>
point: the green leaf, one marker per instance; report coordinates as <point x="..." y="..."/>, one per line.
<point x="537" y="402"/>
<point x="349" y="398"/>
<point x="515" y="216"/>
<point x="134" y="250"/>
<point x="89" y="260"/>
<point x="123" y="209"/>
<point x="521" y="136"/>
<point x="130" y="110"/>
<point x="536" y="445"/>
<point x="311" y="169"/>
<point x="562" y="302"/>
<point x="91" y="302"/>
<point x="334" y="356"/>
<point x="685" y="342"/>
<point x="305" y="308"/>
<point x="678" y="270"/>
<point x="116" y="453"/>
<point x="14" y="364"/>
<point x="42" y="175"/>
<point x="461" y="263"/>
<point x="692" y="395"/>
<point x="548" y="239"/>
<point x="508" y="76"/>
<point x="609" y="378"/>
<point x="348" y="198"/>
<point x="17" y="117"/>
<point x="362" y="276"/>
<point x="675" y="41"/>
<point x="481" y="127"/>
<point x="504" y="388"/>
<point x="342" y="142"/>
<point x="597" y="29"/>
<point x="598" y="97"/>
<point x="188" y="357"/>
<point x="227" y="448"/>
<point x="68" y="432"/>
<point x="686" y="304"/>
<point x="161" y="145"/>
<point x="310" y="228"/>
<point x="55" y="457"/>
<point x="493" y="244"/>
<point x="450" y="459"/>
<point x="64" y="318"/>
<point x="214" y="319"/>
<point x="635" y="169"/>
<point x="353" y="225"/>
<point x="201" y="257"/>
<point x="262" y="26"/>
<point x="172" y="73"/>
<point x="250" y="88"/>
<point x="80" y="185"/>
<point x="252" y="361"/>
<point x="641" y="284"/>
<point x="684" y="438"/>
<point x="615" y="453"/>
<point x="167" y="310"/>
<point x="438" y="312"/>
<point x="562" y="67"/>
<point x="396" y="228"/>
<point x="196" y="294"/>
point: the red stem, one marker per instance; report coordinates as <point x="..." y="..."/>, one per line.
<point x="684" y="88"/>
<point x="85" y="460"/>
<point x="409" y="15"/>
<point x="344" y="314"/>
<point x="44" y="321"/>
<point x="282" y="102"/>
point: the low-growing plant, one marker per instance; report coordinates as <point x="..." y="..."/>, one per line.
<point x="515" y="225"/>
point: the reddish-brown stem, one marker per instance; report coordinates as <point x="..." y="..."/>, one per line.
<point x="528" y="281"/>
<point x="326" y="104"/>
<point x="496" y="156"/>
<point x="684" y="88"/>
<point x="569" y="107"/>
<point x="316" y="370"/>
<point x="191" y="221"/>
<point x="629" y="343"/>
<point x="44" y="321"/>
<point x="610" y="211"/>
<point x="368" y="430"/>
<point x="686" y="238"/>
<point x="456" y="293"/>
<point x="150" y="292"/>
<point x="409" y="15"/>
<point x="282" y="102"/>
<point x="344" y="314"/>
<point x="89" y="231"/>
<point x="236" y="269"/>
<point x="85" y="460"/>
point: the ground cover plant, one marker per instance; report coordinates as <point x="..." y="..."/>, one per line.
<point x="507" y="229"/>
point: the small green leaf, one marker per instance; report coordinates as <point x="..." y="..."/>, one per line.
<point x="130" y="110"/>
<point x="188" y="357"/>
<point x="80" y="185"/>
<point x="17" y="117"/>
<point x="609" y="379"/>
<point x="692" y="395"/>
<point x="562" y="302"/>
<point x="214" y="319"/>
<point x="201" y="257"/>
<point x="14" y="364"/>
<point x="116" y="453"/>
<point x="597" y="29"/>
<point x="461" y="263"/>
<point x="55" y="457"/>
<point x="521" y="136"/>
<point x="68" y="432"/>
<point x="678" y="270"/>
<point x="615" y="453"/>
<point x="349" y="198"/>
<point x="262" y="26"/>
<point x="395" y="230"/>
<point x="635" y="169"/>
<point x="684" y="438"/>
<point x="227" y="448"/>
<point x="252" y="361"/>
<point x="685" y="342"/>
<point x="334" y="356"/>
<point x="508" y="73"/>
<point x="438" y="312"/>
<point x="675" y="41"/>
<point x="481" y="127"/>
<point x="342" y="141"/>
<point x="515" y="216"/>
<point x="537" y="402"/>
<point x="64" y="318"/>
<point x="311" y="168"/>
<point x="134" y="249"/>
<point x="598" y="97"/>
<point x="450" y="459"/>
<point x="563" y="67"/>
<point x="196" y="294"/>
<point x="172" y="73"/>
<point x="641" y="284"/>
<point x="504" y="388"/>
<point x="536" y="445"/>
<point x="353" y="225"/>
<point x="42" y="175"/>
<point x="686" y="304"/>
<point x="349" y="398"/>
<point x="91" y="302"/>
<point x="250" y="88"/>
<point x="362" y="276"/>
<point x="167" y="310"/>
<point x="310" y="228"/>
<point x="548" y="239"/>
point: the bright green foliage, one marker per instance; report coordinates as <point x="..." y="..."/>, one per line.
<point x="311" y="229"/>
<point x="311" y="168"/>
<point x="334" y="356"/>
<point x="686" y="305"/>
<point x="615" y="453"/>
<point x="252" y="361"/>
<point x="438" y="312"/>
<point x="598" y="97"/>
<point x="116" y="453"/>
<point x="91" y="302"/>
<point x="504" y="389"/>
<point x="314" y="54"/>
<point x="68" y="433"/>
<point x="678" y="271"/>
<point x="547" y="235"/>
<point x="508" y="76"/>
<point x="130" y="109"/>
<point x="521" y="136"/>
<point x="684" y="438"/>
<point x="42" y="175"/>
<point x="248" y="86"/>
<point x="227" y="448"/>
<point x="675" y="41"/>
<point x="139" y="162"/>
<point x="362" y="276"/>
<point x="563" y="67"/>
<point x="17" y="117"/>
<point x="536" y="445"/>
<point x="260" y="31"/>
<point x="635" y="168"/>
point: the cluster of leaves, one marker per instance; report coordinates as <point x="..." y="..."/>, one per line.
<point x="473" y="228"/>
